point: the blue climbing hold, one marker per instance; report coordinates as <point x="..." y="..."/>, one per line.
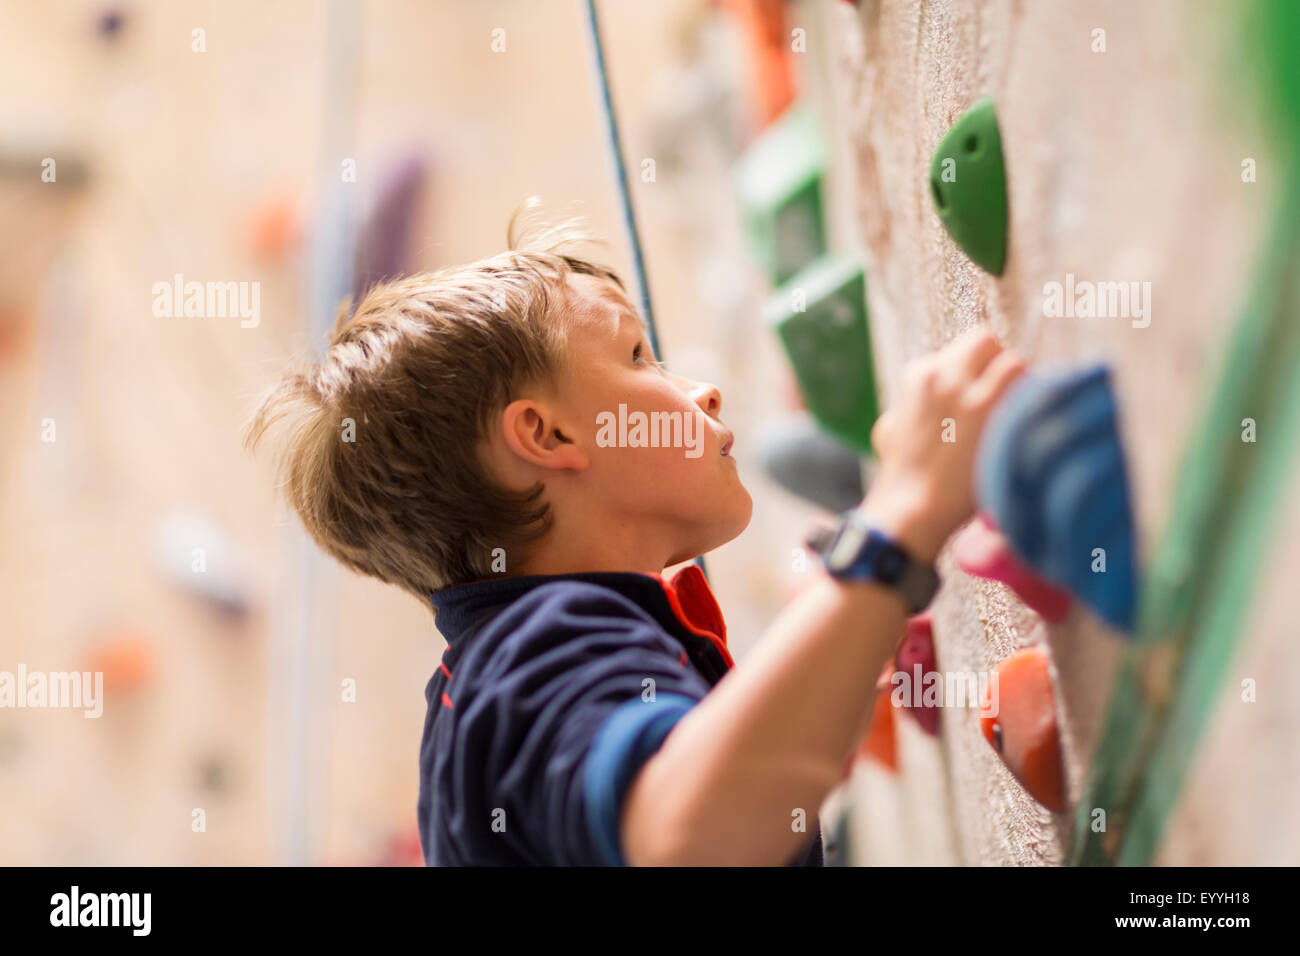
<point x="1051" y="472"/>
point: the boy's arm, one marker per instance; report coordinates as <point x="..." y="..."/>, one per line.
<point x="772" y="738"/>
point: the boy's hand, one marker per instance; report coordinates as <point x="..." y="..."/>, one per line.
<point x="924" y="489"/>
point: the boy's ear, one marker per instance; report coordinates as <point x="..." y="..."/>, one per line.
<point x="533" y="432"/>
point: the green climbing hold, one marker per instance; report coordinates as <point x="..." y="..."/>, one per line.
<point x="969" y="185"/>
<point x="779" y="183"/>
<point x="820" y="316"/>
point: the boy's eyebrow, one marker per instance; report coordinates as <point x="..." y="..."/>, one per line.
<point x="624" y="312"/>
<point x="623" y="308"/>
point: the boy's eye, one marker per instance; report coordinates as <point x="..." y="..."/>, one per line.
<point x="638" y="356"/>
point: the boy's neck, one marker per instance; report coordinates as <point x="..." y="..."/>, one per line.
<point x="579" y="564"/>
<point x="571" y="554"/>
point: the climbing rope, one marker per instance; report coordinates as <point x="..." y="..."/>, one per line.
<point x="624" y="191"/>
<point x="620" y="173"/>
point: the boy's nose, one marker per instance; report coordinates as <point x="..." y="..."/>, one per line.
<point x="702" y="394"/>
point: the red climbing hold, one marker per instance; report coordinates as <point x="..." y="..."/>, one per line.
<point x="982" y="550"/>
<point x="915" y="658"/>
<point x="1018" y="718"/>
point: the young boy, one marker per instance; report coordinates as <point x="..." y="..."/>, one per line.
<point x="586" y="710"/>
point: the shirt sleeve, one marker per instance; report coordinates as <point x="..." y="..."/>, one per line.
<point x="575" y="687"/>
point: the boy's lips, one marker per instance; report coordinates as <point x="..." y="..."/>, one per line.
<point x="727" y="443"/>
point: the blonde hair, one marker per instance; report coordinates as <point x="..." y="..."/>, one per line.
<point x="420" y="369"/>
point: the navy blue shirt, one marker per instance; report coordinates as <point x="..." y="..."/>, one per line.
<point x="554" y="690"/>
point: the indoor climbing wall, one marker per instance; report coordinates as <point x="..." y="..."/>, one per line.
<point x="210" y="164"/>
<point x="1125" y="138"/>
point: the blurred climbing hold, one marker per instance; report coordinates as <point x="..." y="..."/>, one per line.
<point x="779" y="182"/>
<point x="110" y="21"/>
<point x="1051" y="474"/>
<point x="982" y="550"/>
<point x="126" y="659"/>
<point x="878" y="743"/>
<point x="820" y="316"/>
<point x="969" y="186"/>
<point x="1018" y="719"/>
<point x="275" y="227"/>
<point x="213" y="774"/>
<point x="767" y="41"/>
<point x="193" y="551"/>
<point x="807" y="462"/>
<point x="915" y="657"/>
<point x="386" y="241"/>
<point x="401" y="848"/>
<point x="15" y="332"/>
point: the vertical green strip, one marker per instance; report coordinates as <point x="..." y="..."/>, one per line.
<point x="1223" y="615"/>
<point x="1199" y="589"/>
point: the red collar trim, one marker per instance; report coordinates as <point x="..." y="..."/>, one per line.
<point x="692" y="600"/>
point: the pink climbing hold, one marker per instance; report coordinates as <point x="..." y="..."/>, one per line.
<point x="982" y="550"/>
<point x="915" y="658"/>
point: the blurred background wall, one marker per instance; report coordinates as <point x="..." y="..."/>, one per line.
<point x="226" y="166"/>
<point x="282" y="696"/>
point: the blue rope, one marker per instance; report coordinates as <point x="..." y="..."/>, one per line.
<point x="620" y="171"/>
<point x="624" y="192"/>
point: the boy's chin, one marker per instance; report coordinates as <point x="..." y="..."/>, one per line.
<point x="717" y="529"/>
<point x="744" y="512"/>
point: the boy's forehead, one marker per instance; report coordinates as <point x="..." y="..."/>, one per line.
<point x="603" y="304"/>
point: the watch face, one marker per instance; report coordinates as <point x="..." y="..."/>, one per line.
<point x="860" y="552"/>
<point x="846" y="547"/>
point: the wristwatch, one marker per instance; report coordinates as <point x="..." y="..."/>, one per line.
<point x="856" y="550"/>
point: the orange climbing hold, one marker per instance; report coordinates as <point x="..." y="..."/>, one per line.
<point x="275" y="227"/>
<point x="768" y="39"/>
<point x="15" y="329"/>
<point x="126" y="661"/>
<point x="1018" y="718"/>
<point x="878" y="743"/>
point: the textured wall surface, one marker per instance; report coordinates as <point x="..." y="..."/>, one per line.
<point x="1122" y="165"/>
